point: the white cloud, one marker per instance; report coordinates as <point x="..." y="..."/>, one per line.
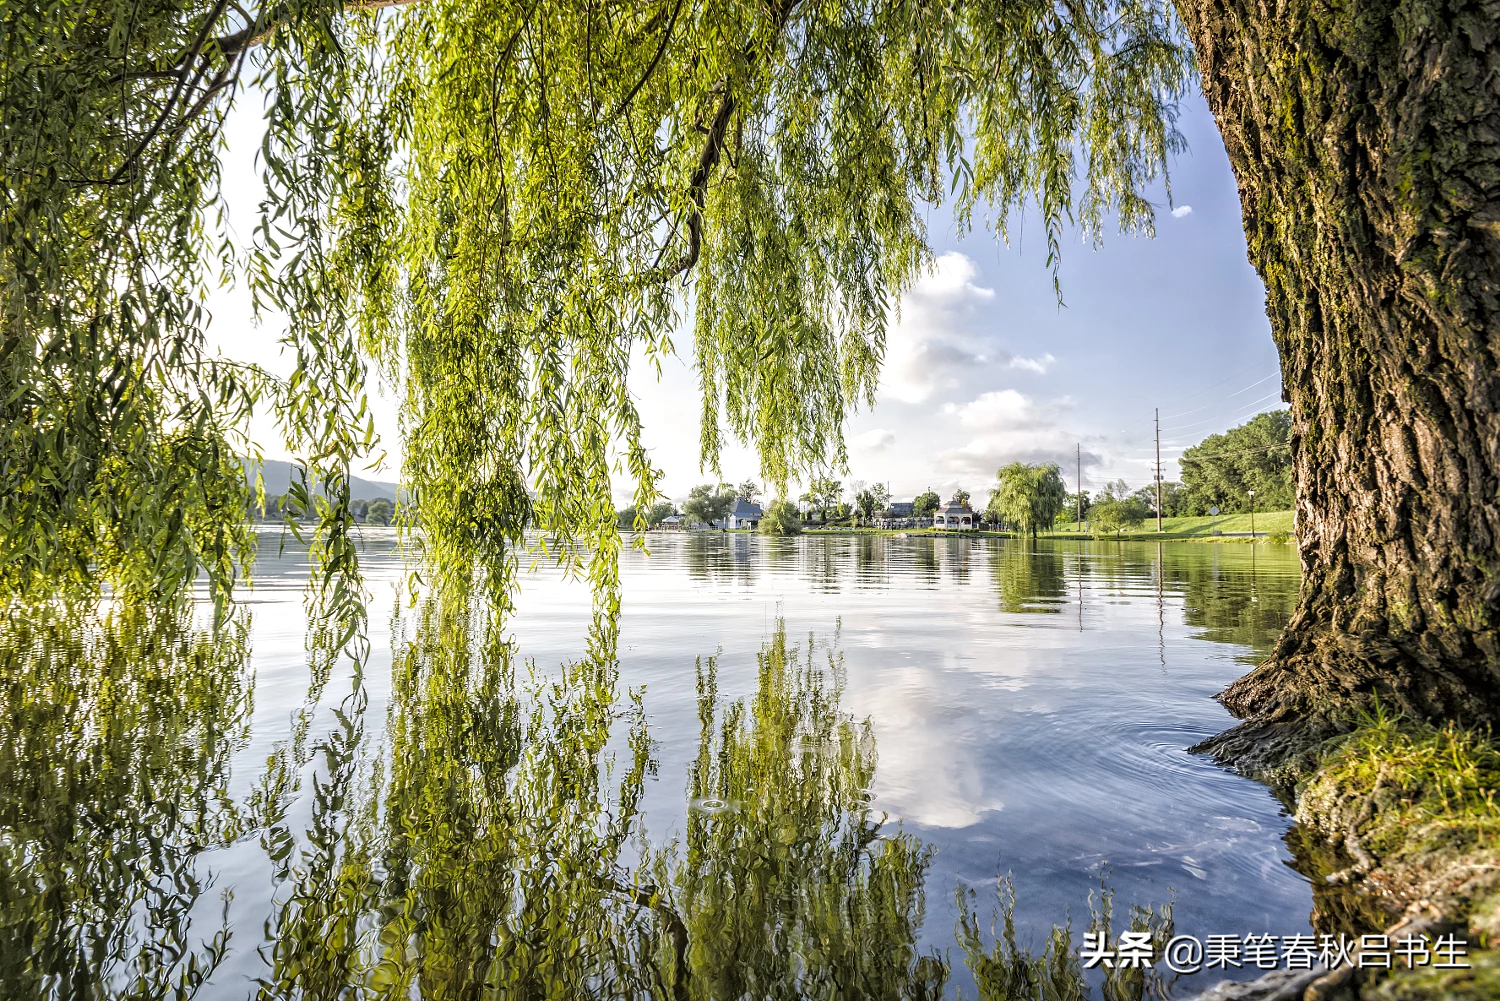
<point x="874" y="440"/>
<point x="1181" y="211"/>
<point x="1037" y="365"/>
<point x="931" y="341"/>
<point x="952" y="277"/>
<point x="1005" y="426"/>
<point x="1000" y="408"/>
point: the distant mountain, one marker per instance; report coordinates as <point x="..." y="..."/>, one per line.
<point x="278" y="479"/>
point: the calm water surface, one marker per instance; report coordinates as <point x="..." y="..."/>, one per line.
<point x="286" y="825"/>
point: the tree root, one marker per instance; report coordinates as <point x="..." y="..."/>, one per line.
<point x="1278" y="753"/>
<point x="1363" y="861"/>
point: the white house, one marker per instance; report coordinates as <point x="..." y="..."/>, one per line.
<point x="954" y="515"/>
<point x="745" y="514"/>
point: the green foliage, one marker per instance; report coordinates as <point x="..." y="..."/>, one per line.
<point x="657" y="513"/>
<point x="1069" y="513"/>
<point x="822" y="496"/>
<point x="1221" y="469"/>
<point x="871" y="500"/>
<point x="781" y="518"/>
<point x="1117" y="509"/>
<point x="495" y="204"/>
<point x="380" y="511"/>
<point x="926" y="504"/>
<point x="960" y="496"/>
<point x="1174" y="499"/>
<point x="748" y="490"/>
<point x="707" y="504"/>
<point x="1029" y="496"/>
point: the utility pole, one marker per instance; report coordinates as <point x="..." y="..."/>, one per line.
<point x="1158" y="470"/>
<point x="1079" y="509"/>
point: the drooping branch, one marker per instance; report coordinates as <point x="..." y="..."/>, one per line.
<point x="661" y="50"/>
<point x="267" y="23"/>
<point x="713" y="147"/>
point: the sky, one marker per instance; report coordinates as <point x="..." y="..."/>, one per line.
<point x="983" y="367"/>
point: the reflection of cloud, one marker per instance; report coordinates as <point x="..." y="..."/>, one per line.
<point x="1181" y="211"/>
<point x="1037" y="365"/>
<point x="1009" y="426"/>
<point x="928" y="346"/>
<point x="927" y="774"/>
<point x="874" y="440"/>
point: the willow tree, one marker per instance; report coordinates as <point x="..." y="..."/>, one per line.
<point x="1365" y="139"/>
<point x="501" y="206"/>
<point x="1028" y="495"/>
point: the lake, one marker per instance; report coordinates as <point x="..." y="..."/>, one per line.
<point x="821" y="762"/>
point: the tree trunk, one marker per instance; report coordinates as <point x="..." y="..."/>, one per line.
<point x="1365" y="138"/>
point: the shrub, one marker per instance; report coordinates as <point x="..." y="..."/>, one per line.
<point x="781" y="517"/>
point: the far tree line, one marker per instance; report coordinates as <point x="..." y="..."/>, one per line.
<point x="380" y="511"/>
<point x="1219" y="472"/>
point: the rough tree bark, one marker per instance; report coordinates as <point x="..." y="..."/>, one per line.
<point x="1365" y="137"/>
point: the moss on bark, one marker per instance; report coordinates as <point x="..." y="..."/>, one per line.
<point x="1365" y="139"/>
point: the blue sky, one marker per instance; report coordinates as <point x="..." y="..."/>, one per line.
<point x="983" y="367"/>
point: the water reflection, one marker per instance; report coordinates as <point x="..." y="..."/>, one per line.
<point x="116" y="730"/>
<point x="1028" y="579"/>
<point x="476" y="823"/>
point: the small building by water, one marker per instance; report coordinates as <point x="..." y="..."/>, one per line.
<point x="955" y="515"/>
<point x="746" y="514"/>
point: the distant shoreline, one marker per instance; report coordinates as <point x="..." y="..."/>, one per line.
<point x="1234" y="528"/>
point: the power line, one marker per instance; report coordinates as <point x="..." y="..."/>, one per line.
<point x="1193" y="395"/>
<point x="1239" y="451"/>
<point x="1134" y="424"/>
<point x="1231" y="396"/>
<point x="1219" y="420"/>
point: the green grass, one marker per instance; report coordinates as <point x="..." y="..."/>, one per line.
<point x="1444" y="783"/>
<point x="1266" y="522"/>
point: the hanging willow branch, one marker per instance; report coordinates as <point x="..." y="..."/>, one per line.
<point x="489" y="203"/>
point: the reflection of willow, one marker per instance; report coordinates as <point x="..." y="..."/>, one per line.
<point x="116" y="730"/>
<point x="497" y="864"/>
<point x="786" y="885"/>
<point x="1027" y="580"/>
<point x="1237" y="598"/>
<point x="492" y="852"/>
<point x="485" y="862"/>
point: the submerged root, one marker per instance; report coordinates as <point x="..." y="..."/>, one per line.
<point x="1279" y="753"/>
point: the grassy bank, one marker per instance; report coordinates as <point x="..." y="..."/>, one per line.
<point x="1401" y="825"/>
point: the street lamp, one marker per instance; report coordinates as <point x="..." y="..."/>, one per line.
<point x="1252" y="513"/>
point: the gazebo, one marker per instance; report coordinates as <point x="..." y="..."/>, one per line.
<point x="954" y="515"/>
